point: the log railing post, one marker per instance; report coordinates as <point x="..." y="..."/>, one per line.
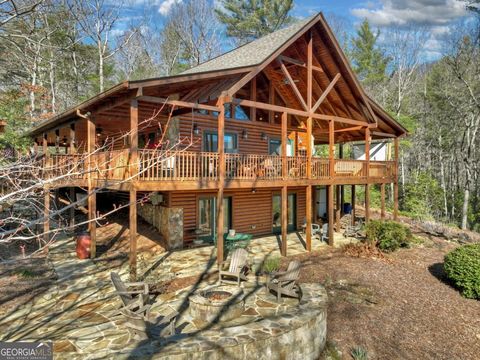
<point x="395" y="183"/>
<point x="134" y="168"/>
<point x="71" y="150"/>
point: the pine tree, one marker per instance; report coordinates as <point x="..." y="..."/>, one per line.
<point x="369" y="62"/>
<point x="252" y="19"/>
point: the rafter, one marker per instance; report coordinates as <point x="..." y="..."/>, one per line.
<point x="292" y="84"/>
<point x="326" y="92"/>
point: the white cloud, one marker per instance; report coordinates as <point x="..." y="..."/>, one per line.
<point x="420" y="12"/>
<point x="167" y="5"/>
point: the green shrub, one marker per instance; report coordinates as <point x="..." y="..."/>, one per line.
<point x="359" y="353"/>
<point x="462" y="266"/>
<point x="272" y="263"/>
<point x="388" y="235"/>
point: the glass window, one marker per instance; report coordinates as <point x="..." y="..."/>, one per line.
<point x="275" y="147"/>
<point x="211" y="142"/>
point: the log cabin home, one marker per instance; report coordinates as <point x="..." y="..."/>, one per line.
<point x="242" y="129"/>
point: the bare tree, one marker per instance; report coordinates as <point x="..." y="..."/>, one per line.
<point x="190" y="35"/>
<point x="97" y="20"/>
<point x="12" y="9"/>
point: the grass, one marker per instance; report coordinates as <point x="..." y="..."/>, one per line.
<point x="27" y="274"/>
<point x="359" y="353"/>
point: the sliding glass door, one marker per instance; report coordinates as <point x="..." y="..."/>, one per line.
<point x="277" y="213"/>
<point x="207" y="213"/>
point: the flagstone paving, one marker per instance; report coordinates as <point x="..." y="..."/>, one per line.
<point x="79" y="313"/>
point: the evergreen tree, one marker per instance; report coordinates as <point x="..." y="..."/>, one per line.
<point x="252" y="19"/>
<point x="369" y="62"/>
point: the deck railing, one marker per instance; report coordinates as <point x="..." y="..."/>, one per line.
<point x="154" y="165"/>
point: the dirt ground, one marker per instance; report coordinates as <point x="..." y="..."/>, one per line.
<point x="398" y="309"/>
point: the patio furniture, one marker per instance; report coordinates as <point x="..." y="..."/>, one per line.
<point x="353" y="230"/>
<point x="137" y="311"/>
<point x="237" y="269"/>
<point x="324" y="233"/>
<point x="316" y="230"/>
<point x="239" y="240"/>
<point x="285" y="283"/>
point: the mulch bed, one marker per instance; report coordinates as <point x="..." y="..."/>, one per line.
<point x="403" y="308"/>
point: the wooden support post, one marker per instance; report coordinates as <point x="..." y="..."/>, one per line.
<point x="92" y="197"/>
<point x="337" y="208"/>
<point x="308" y="231"/>
<point x="331" y="148"/>
<point x="353" y="205"/>
<point x="134" y="168"/>
<point x="382" y="201"/>
<point x="45" y="149"/>
<point x="367" y="203"/>
<point x="133" y="235"/>
<point x="330" y="214"/>
<point x="46" y="216"/>
<point x="342" y="188"/>
<point x="72" y="151"/>
<point x="395" y="183"/>
<point x="221" y="179"/>
<point x="367" y="151"/>
<point x="271" y="100"/>
<point x="284" y="220"/>
<point x="284" y="188"/>
<point x="253" y="97"/>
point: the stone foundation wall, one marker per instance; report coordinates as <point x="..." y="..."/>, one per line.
<point x="168" y="221"/>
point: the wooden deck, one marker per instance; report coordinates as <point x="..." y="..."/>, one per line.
<point x="199" y="170"/>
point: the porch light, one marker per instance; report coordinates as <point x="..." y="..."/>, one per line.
<point x="244" y="134"/>
<point x="254" y="191"/>
<point x="99" y="131"/>
<point x="264" y="137"/>
<point x="196" y="130"/>
<point x="64" y="140"/>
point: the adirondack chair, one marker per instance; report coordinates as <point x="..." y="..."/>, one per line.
<point x="137" y="311"/>
<point x="285" y="283"/>
<point x="237" y="269"/>
<point x="324" y="232"/>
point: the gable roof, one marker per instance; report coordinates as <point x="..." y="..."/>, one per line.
<point x="253" y="53"/>
<point x="243" y="63"/>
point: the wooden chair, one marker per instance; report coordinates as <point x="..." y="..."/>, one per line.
<point x="285" y="283"/>
<point x="137" y="310"/>
<point x="237" y="269"/>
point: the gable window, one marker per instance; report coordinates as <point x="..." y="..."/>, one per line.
<point x="210" y="142"/>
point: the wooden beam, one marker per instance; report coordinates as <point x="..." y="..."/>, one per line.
<point x="367" y="150"/>
<point x="253" y="97"/>
<point x="277" y="108"/>
<point x="383" y="134"/>
<point x="271" y="100"/>
<point x="221" y="179"/>
<point x="179" y="103"/>
<point x="133" y="168"/>
<point x="309" y="73"/>
<point x="299" y="63"/>
<point x="326" y="92"/>
<point x="382" y="201"/>
<point x="284" y="145"/>
<point x="284" y="220"/>
<point x="330" y="215"/>
<point x="294" y="87"/>
<point x="133" y="235"/>
<point x="92" y="197"/>
<point x="331" y="148"/>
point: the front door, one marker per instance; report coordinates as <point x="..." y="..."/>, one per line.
<point x="207" y="214"/>
<point x="277" y="213"/>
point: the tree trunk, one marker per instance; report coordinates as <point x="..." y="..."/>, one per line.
<point x="466" y="198"/>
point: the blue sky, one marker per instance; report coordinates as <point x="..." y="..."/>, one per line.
<point x="436" y="16"/>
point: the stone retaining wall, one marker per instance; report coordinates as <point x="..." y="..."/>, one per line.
<point x="168" y="221"/>
<point x="298" y="333"/>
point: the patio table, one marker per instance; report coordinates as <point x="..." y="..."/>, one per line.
<point x="238" y="240"/>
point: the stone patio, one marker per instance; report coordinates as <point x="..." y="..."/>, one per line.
<point x="79" y="313"/>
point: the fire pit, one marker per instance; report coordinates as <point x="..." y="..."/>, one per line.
<point x="217" y="303"/>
